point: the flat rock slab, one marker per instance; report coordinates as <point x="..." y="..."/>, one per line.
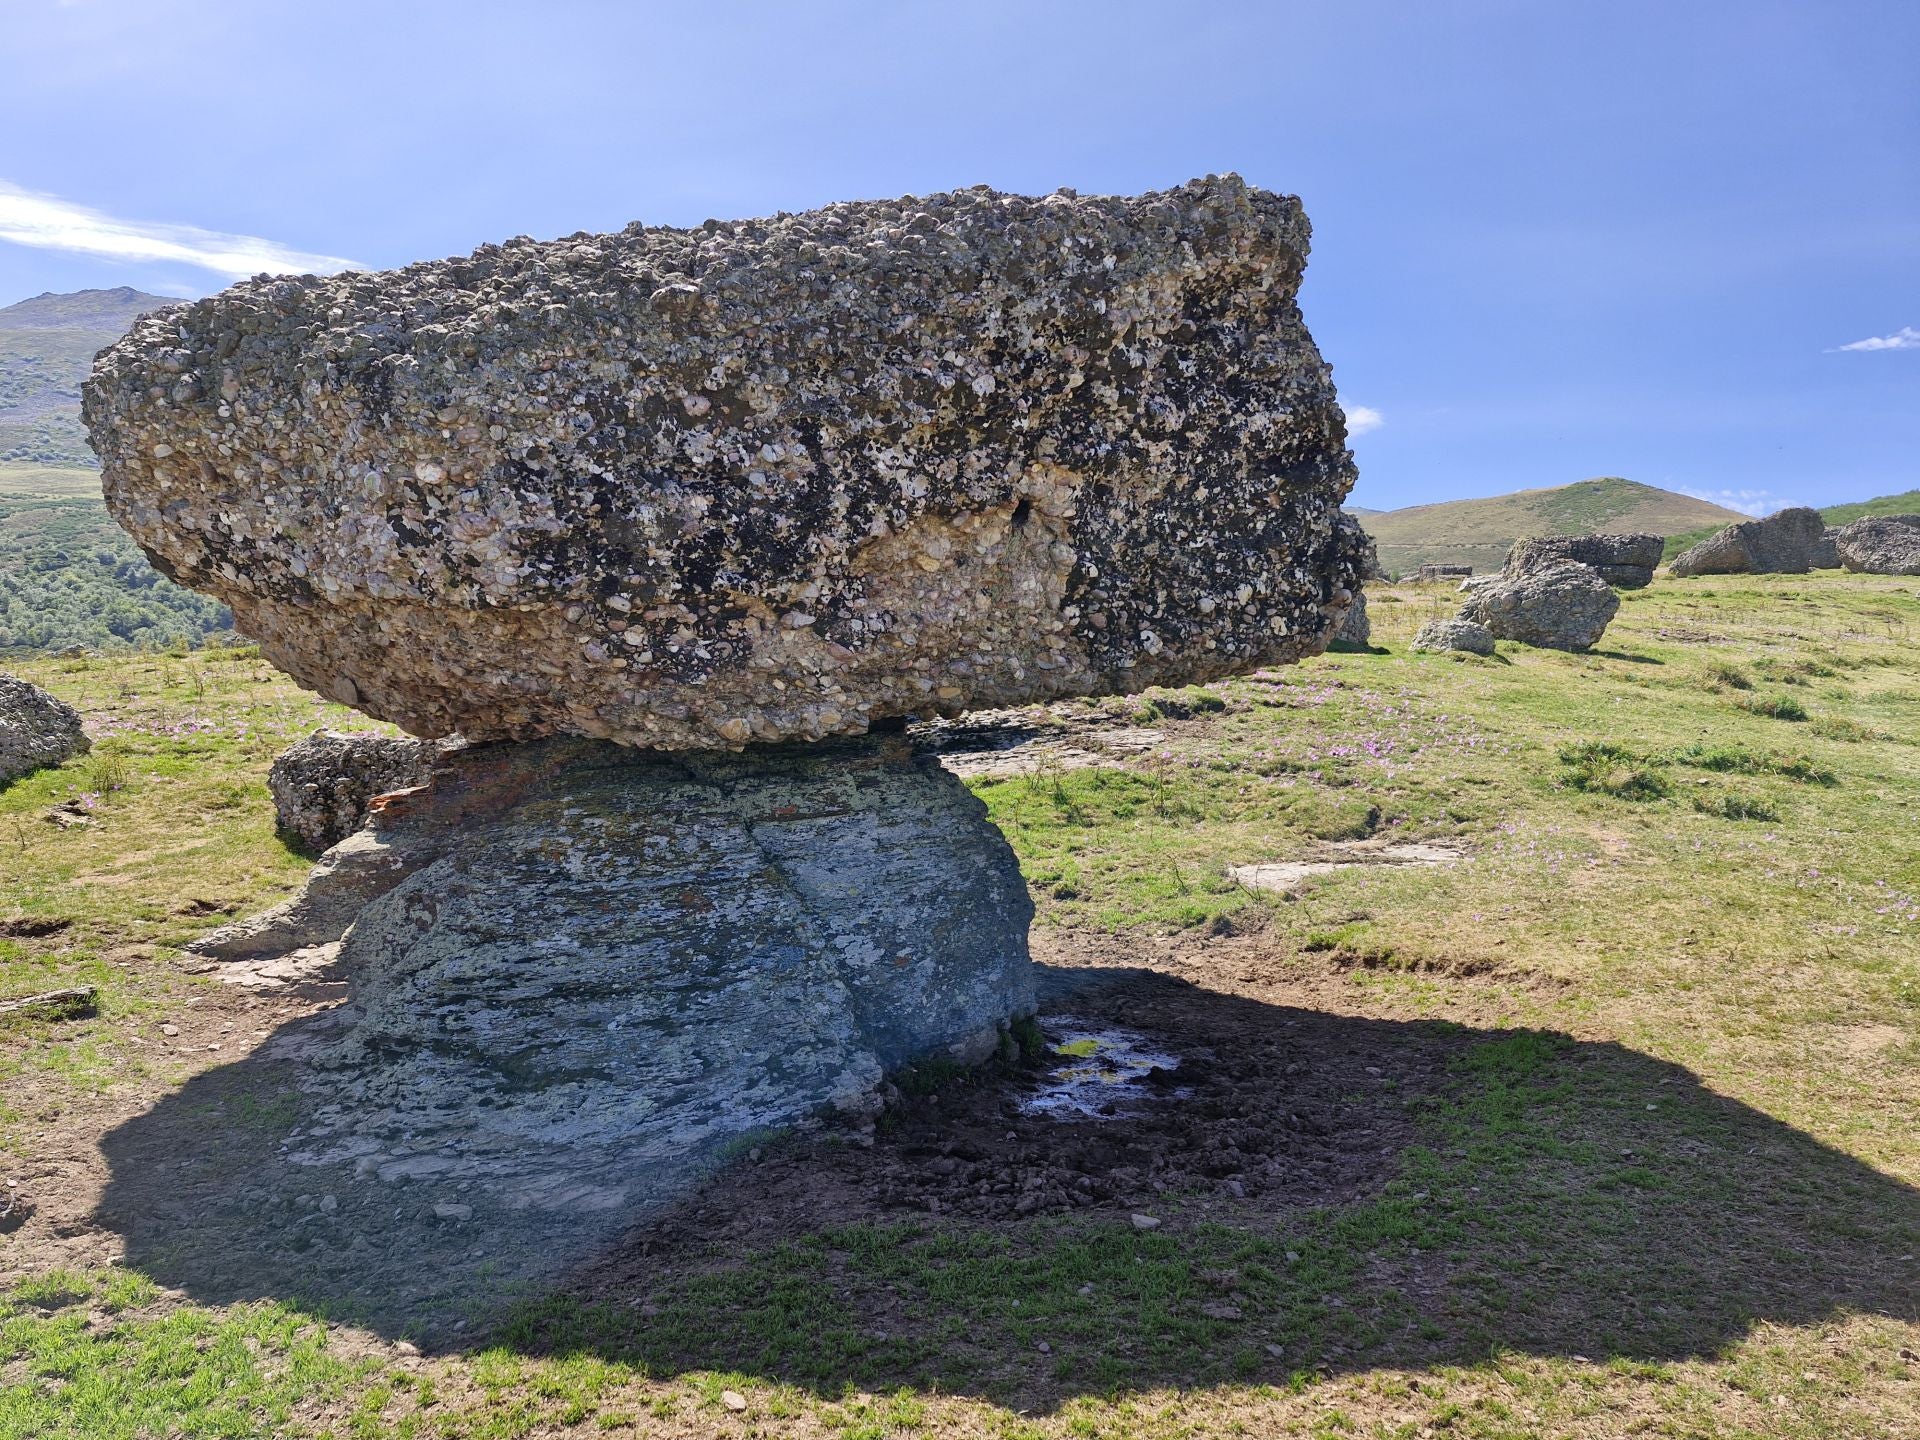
<point x="762" y="480"/>
<point x="1284" y="876"/>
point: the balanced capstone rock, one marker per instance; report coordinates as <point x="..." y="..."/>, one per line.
<point x="759" y="480"/>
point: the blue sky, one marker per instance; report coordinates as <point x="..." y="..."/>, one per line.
<point x="1552" y="240"/>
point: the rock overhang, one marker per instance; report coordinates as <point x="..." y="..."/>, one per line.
<point x="758" y="480"/>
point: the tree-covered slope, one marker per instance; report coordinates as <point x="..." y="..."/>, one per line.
<point x="70" y="576"/>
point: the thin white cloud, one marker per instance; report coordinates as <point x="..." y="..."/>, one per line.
<point x="49" y="223"/>
<point x="1747" y="502"/>
<point x="1905" y="338"/>
<point x="1362" y="419"/>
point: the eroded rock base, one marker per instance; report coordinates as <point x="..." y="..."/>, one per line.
<point x="580" y="975"/>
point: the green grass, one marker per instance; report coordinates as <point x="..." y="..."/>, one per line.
<point x="1907" y="502"/>
<point x="1663" y="1185"/>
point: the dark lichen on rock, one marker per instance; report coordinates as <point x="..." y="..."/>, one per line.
<point x="758" y="480"/>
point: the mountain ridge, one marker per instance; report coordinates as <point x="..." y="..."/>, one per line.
<point x="47" y="345"/>
<point x="1479" y="532"/>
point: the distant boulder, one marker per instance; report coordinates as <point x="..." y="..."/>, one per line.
<point x="36" y="729"/>
<point x="1826" y="554"/>
<point x="1565" y="606"/>
<point x="1623" y="560"/>
<point x="322" y="786"/>
<point x="1355" y="628"/>
<point x="1443" y="635"/>
<point x="1785" y="543"/>
<point x="1881" y="545"/>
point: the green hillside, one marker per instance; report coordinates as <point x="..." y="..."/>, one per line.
<point x="1907" y="502"/>
<point x="70" y="576"/>
<point x="47" y="345"/>
<point x="1480" y="532"/>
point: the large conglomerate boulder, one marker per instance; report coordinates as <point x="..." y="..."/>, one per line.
<point x="1881" y="545"/>
<point x="758" y="480"/>
<point x="1626" y="561"/>
<point x="1565" y="606"/>
<point x="1785" y="542"/>
<point x="37" y="729"/>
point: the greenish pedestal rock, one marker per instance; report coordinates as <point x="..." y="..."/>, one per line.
<point x="591" y="972"/>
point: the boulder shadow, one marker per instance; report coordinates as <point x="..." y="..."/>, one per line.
<point x="1301" y="1192"/>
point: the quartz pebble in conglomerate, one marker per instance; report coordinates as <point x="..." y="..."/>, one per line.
<point x="758" y="480"/>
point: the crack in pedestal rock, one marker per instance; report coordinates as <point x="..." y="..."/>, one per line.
<point x="759" y="480"/>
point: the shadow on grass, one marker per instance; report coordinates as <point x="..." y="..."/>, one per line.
<point x="1331" y="1193"/>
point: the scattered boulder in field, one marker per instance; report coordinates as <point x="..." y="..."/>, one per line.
<point x="1443" y="635"/>
<point x="36" y="729"/>
<point x="761" y="480"/>
<point x="1881" y="545"/>
<point x="590" y="970"/>
<point x="1626" y="561"/>
<point x="322" y="785"/>
<point x="1826" y="554"/>
<point x="1784" y="543"/>
<point x="1564" y="606"/>
<point x="1355" y="628"/>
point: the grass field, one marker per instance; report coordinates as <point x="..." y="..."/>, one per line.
<point x="1614" y="1119"/>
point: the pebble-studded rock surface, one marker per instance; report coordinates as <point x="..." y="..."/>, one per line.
<point x="758" y="480"/>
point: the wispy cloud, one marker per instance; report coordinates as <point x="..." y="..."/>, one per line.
<point x="1905" y="338"/>
<point x="1361" y="419"/>
<point x="1747" y="502"/>
<point x="49" y="223"/>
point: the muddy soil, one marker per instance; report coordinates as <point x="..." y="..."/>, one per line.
<point x="1270" y="1109"/>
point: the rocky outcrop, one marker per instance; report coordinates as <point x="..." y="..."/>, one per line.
<point x="580" y="973"/>
<point x="1826" y="552"/>
<point x="36" y="729"/>
<point x="322" y="785"/>
<point x="1566" y="606"/>
<point x="760" y="480"/>
<point x="1786" y="542"/>
<point x="1625" y="561"/>
<point x="1881" y="545"/>
<point x="1444" y="635"/>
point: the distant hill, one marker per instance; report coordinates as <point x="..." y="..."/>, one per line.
<point x="70" y="576"/>
<point x="1907" y="502"/>
<point x="47" y="345"/>
<point x="1480" y="532"/>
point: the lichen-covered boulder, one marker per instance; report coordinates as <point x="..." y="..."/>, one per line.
<point x="1566" y="606"/>
<point x="1784" y="543"/>
<point x="758" y="480"/>
<point x="579" y="974"/>
<point x="1881" y="545"/>
<point x="1440" y="636"/>
<point x="1627" y="561"/>
<point x="322" y="785"/>
<point x="37" y="729"/>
